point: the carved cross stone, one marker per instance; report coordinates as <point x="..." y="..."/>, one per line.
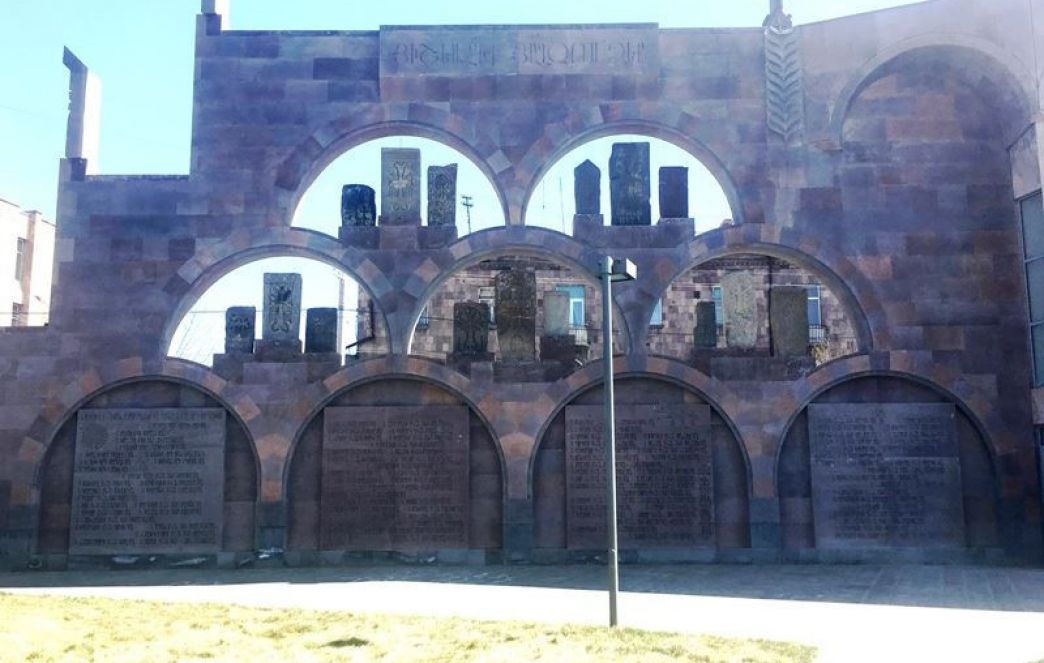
<point x="442" y="195"/>
<point x="629" y="184"/>
<point x="239" y="329"/>
<point x="282" y="308"/>
<point x="357" y="205"/>
<point x="587" y="188"/>
<point x="400" y="186"/>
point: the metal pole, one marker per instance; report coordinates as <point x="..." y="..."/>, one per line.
<point x="609" y="425"/>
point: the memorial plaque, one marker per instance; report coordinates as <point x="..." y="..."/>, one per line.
<point x="515" y="312"/>
<point x="357" y="205"/>
<point x="706" y="332"/>
<point x="470" y="328"/>
<point x="587" y="188"/>
<point x="665" y="478"/>
<point x="789" y="320"/>
<point x="442" y="195"/>
<point x="239" y="329"/>
<point x="321" y="330"/>
<point x="629" y="184"/>
<point x="739" y="292"/>
<point x="395" y="478"/>
<point x="556" y="313"/>
<point x="148" y="481"/>
<point x="282" y="312"/>
<point x="674" y="192"/>
<point x="885" y="475"/>
<point x="400" y="186"/>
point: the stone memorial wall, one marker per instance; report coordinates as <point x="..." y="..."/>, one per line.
<point x="885" y="475"/>
<point x="665" y="480"/>
<point x="395" y="478"/>
<point x="148" y="481"/>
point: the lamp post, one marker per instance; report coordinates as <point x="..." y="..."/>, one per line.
<point x="611" y="270"/>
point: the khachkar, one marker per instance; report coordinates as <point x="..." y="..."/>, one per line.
<point x="664" y="472"/>
<point x="788" y="320"/>
<point x="282" y="311"/>
<point x="148" y="481"/>
<point x="358" y="208"/>
<point x="587" y="188"/>
<point x="739" y="294"/>
<point x="321" y="330"/>
<point x="395" y="478"/>
<point x="471" y="330"/>
<point x="674" y="192"/>
<point x="239" y="329"/>
<point x="629" y="184"/>
<point x="515" y="312"/>
<point x="400" y="187"/>
<point x="442" y="195"/>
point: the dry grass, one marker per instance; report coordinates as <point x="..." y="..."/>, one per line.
<point x="36" y="628"/>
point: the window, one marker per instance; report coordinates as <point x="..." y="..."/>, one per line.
<point x="576" y="304"/>
<point x="719" y="309"/>
<point x="815" y="311"/>
<point x="1031" y="212"/>
<point x="657" y="315"/>
<point x="487" y="294"/>
<point x="425" y="319"/>
<point x="17" y="317"/>
<point x="20" y="258"/>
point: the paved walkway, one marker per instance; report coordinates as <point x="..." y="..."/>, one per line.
<point x="852" y="613"/>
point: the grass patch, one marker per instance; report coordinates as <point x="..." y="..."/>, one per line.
<point x="42" y="628"/>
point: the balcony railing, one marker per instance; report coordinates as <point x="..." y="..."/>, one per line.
<point x="817" y="335"/>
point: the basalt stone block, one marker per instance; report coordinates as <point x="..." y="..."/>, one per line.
<point x="400" y="186"/>
<point x="674" y="192"/>
<point x="515" y="309"/>
<point x="470" y="328"/>
<point x="789" y="320"/>
<point x="705" y="335"/>
<point x="739" y="298"/>
<point x="239" y="329"/>
<point x="442" y="195"/>
<point x="358" y="208"/>
<point x="556" y="313"/>
<point x="587" y="188"/>
<point x="321" y="330"/>
<point x="629" y="184"/>
<point x="282" y="309"/>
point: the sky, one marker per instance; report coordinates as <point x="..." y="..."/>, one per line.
<point x="143" y="52"/>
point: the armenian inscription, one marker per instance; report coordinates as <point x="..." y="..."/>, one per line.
<point x="664" y="474"/>
<point x="395" y="478"/>
<point x="148" y="481"/>
<point x="885" y="474"/>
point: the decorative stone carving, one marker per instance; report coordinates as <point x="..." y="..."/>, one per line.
<point x="357" y="205"/>
<point x="706" y="332"/>
<point x="674" y="192"/>
<point x="739" y="292"/>
<point x="784" y="92"/>
<point x="587" y="188"/>
<point x="282" y="309"/>
<point x="400" y="186"/>
<point x="556" y="313"/>
<point x="788" y="320"/>
<point x="239" y="329"/>
<point x="515" y="311"/>
<point x="470" y="328"/>
<point x="321" y="330"/>
<point x="442" y="195"/>
<point x="629" y="184"/>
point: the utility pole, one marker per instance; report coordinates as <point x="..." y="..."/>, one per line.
<point x="466" y="202"/>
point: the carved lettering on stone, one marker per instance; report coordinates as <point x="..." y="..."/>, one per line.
<point x="674" y="192"/>
<point x="739" y="291"/>
<point x="556" y="313"/>
<point x="706" y="332"/>
<point x="665" y="477"/>
<point x="148" y="481"/>
<point x="321" y="330"/>
<point x="239" y="329"/>
<point x="629" y="184"/>
<point x="587" y="188"/>
<point x="282" y="308"/>
<point x="885" y="475"/>
<point x="789" y="320"/>
<point x="400" y="186"/>
<point x="395" y="478"/>
<point x="442" y="195"/>
<point x="470" y="328"/>
<point x="515" y="312"/>
<point x="357" y="205"/>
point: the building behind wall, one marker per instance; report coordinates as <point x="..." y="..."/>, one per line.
<point x="26" y="265"/>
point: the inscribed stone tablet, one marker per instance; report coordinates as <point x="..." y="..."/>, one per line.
<point x="395" y="478"/>
<point x="442" y="195"/>
<point x="665" y="479"/>
<point x="885" y="475"/>
<point x="400" y="186"/>
<point x="282" y="312"/>
<point x="515" y="312"/>
<point x="789" y="320"/>
<point x="148" y="481"/>
<point x="629" y="184"/>
<point x="739" y="298"/>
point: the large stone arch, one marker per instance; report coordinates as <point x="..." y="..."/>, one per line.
<point x="654" y="120"/>
<point x="319" y="150"/>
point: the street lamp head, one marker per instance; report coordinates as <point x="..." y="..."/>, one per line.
<point x="621" y="269"/>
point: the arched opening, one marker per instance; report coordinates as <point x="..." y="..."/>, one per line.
<point x="682" y="472"/>
<point x="886" y="467"/>
<point x="201" y="332"/>
<point x="395" y="467"/>
<point x="170" y="402"/>
<point x="474" y="201"/>
<point x="698" y="192"/>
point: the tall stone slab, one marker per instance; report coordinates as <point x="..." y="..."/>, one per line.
<point x="739" y="292"/>
<point x="148" y="481"/>
<point x="789" y="320"/>
<point x="629" y="184"/>
<point x="515" y="312"/>
<point x="442" y="195"/>
<point x="239" y="329"/>
<point x="556" y="313"/>
<point x="282" y="310"/>
<point x="470" y="328"/>
<point x="395" y="478"/>
<point x="665" y="476"/>
<point x="587" y="188"/>
<point x="885" y="475"/>
<point x="706" y="331"/>
<point x="321" y="330"/>
<point x="400" y="186"/>
<point x="358" y="206"/>
<point x="674" y="192"/>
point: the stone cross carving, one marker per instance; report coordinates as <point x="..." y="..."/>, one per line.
<point x="470" y="328"/>
<point x="789" y="320"/>
<point x="239" y="329"/>
<point x="321" y="330"/>
<point x="674" y="192"/>
<point x="706" y="332"/>
<point x="400" y="186"/>
<point x="556" y="313"/>
<point x="629" y="184"/>
<point x="739" y="292"/>
<point x="282" y="308"/>
<point x="587" y="188"/>
<point x="442" y="195"/>
<point x="515" y="311"/>
<point x="357" y="205"/>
